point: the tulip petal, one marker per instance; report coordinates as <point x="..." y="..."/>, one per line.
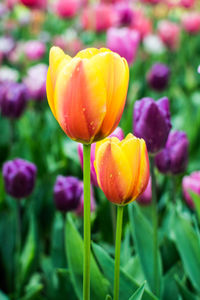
<point x="80" y="99"/>
<point x="113" y="171"/>
<point x="90" y="52"/>
<point x="116" y="76"/>
<point x="50" y="92"/>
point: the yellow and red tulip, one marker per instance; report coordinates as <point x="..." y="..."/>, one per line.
<point x="87" y="93"/>
<point x="122" y="168"/>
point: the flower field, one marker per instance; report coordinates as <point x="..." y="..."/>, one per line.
<point x="99" y="149"/>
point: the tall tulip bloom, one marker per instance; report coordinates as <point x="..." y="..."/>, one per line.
<point x="122" y="169"/>
<point x="87" y="99"/>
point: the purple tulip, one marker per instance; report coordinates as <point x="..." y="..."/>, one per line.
<point x="124" y="41"/>
<point x="35" y="50"/>
<point x="80" y="208"/>
<point x="152" y="122"/>
<point x="146" y="197"/>
<point x="13" y="99"/>
<point x="191" y="183"/>
<point x="67" y="193"/>
<point x="36" y="82"/>
<point x="158" y="77"/>
<point x="118" y="132"/>
<point x="7" y="44"/>
<point x="19" y="177"/>
<point x="174" y="157"/>
<point x="124" y="12"/>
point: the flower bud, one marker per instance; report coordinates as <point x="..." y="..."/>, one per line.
<point x="122" y="168"/>
<point x="191" y="183"/>
<point x="152" y="122"/>
<point x="158" y="77"/>
<point x="19" y="177"/>
<point x="13" y="99"/>
<point x="174" y="157"/>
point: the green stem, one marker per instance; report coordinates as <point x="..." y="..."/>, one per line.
<point x="173" y="188"/>
<point x="18" y="246"/>
<point x="155" y="226"/>
<point x="87" y="231"/>
<point x="117" y="251"/>
<point x="113" y="218"/>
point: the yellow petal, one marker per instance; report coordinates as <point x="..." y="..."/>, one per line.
<point x="90" y="52"/>
<point x="50" y="93"/>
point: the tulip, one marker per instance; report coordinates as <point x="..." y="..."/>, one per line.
<point x="174" y="157"/>
<point x="141" y="23"/>
<point x="118" y="132"/>
<point x="41" y="4"/>
<point x="124" y="41"/>
<point x="152" y="122"/>
<point x="169" y="32"/>
<point x="158" y="77"/>
<point x="146" y="197"/>
<point x="8" y="74"/>
<point x="80" y="208"/>
<point x="36" y="85"/>
<point x="187" y="3"/>
<point x="13" y="99"/>
<point x="122" y="168"/>
<point x="153" y="44"/>
<point x="7" y="44"/>
<point x="35" y="50"/>
<point x="191" y="22"/>
<point x="67" y="193"/>
<point x="19" y="177"/>
<point x="74" y="83"/>
<point x="124" y="12"/>
<point x="67" y="8"/>
<point x="191" y="183"/>
<point x="151" y="1"/>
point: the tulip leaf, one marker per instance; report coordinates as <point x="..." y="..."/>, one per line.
<point x="188" y="245"/>
<point x="143" y="237"/>
<point x="74" y="251"/>
<point x="139" y="293"/>
<point x="3" y="296"/>
<point x="185" y="293"/>
<point x="196" y="200"/>
<point x="127" y="284"/>
<point x="33" y="288"/>
<point x="108" y="297"/>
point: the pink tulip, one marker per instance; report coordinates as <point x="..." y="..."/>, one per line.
<point x="141" y="23"/>
<point x="124" y="41"/>
<point x="191" y="22"/>
<point x="187" y="3"/>
<point x="169" y="33"/>
<point x="67" y="8"/>
<point x="191" y="183"/>
<point x="146" y="196"/>
<point x="35" y="50"/>
<point x="41" y="4"/>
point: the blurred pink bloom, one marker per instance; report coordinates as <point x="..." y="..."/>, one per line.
<point x="80" y="208"/>
<point x="169" y="33"/>
<point x="151" y="1"/>
<point x="99" y="17"/>
<point x="124" y="41"/>
<point x="124" y="13"/>
<point x="74" y="46"/>
<point x="34" y="50"/>
<point x="67" y="8"/>
<point x="11" y="3"/>
<point x="118" y="132"/>
<point x="187" y="3"/>
<point x="41" y="4"/>
<point x="141" y="23"/>
<point x="191" y="183"/>
<point x="146" y="197"/>
<point x="191" y="22"/>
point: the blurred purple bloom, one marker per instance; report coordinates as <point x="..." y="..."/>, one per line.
<point x="124" y="12"/>
<point x="80" y="208"/>
<point x="174" y="157"/>
<point x="124" y="41"/>
<point x="19" y="177"/>
<point x="146" y="197"/>
<point x="35" y="50"/>
<point x="13" y="99"/>
<point x="191" y="183"/>
<point x="36" y="81"/>
<point x="152" y="122"/>
<point x="158" y="77"/>
<point x="7" y="44"/>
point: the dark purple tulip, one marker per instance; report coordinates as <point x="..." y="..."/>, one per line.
<point x="174" y="157"/>
<point x="19" y="177"/>
<point x="158" y="77"/>
<point x="152" y="122"/>
<point x="67" y="193"/>
<point x="13" y="99"/>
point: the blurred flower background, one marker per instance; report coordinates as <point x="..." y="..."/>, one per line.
<point x="41" y="168"/>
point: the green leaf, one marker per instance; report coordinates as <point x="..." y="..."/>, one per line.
<point x="143" y="236"/>
<point x="185" y="293"/>
<point x="139" y="293"/>
<point x="188" y="246"/>
<point x="57" y="242"/>
<point x="3" y="296"/>
<point x="127" y="284"/>
<point x="170" y="289"/>
<point x="33" y="288"/>
<point x="74" y="251"/>
<point x="196" y="200"/>
<point x="108" y="297"/>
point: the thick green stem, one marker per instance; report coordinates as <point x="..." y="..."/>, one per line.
<point x="155" y="226"/>
<point x="117" y="251"/>
<point x="18" y="247"/>
<point x="87" y="233"/>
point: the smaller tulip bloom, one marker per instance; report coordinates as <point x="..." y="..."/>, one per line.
<point x="124" y="12"/>
<point x="19" y="177"/>
<point x="187" y="3"/>
<point x="158" y="77"/>
<point x="152" y="122"/>
<point x="13" y="99"/>
<point x="7" y="44"/>
<point x="146" y="197"/>
<point x="174" y="157"/>
<point x="80" y="209"/>
<point x="169" y="32"/>
<point x="67" y="8"/>
<point x="191" y="183"/>
<point x="41" y="4"/>
<point x="191" y="22"/>
<point x="122" y="168"/>
<point x="118" y="132"/>
<point x="141" y="23"/>
<point x="35" y="50"/>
